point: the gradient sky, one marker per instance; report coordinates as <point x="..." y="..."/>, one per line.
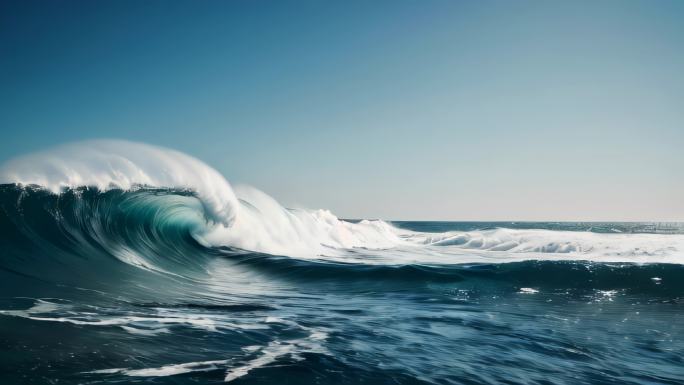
<point x="452" y="110"/>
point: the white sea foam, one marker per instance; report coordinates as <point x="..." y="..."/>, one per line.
<point x="265" y="356"/>
<point x="237" y="367"/>
<point x="246" y="218"/>
<point x="277" y="349"/>
<point x="146" y="324"/>
<point x="166" y="370"/>
<point x="510" y="245"/>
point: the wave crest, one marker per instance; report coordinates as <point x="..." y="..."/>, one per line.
<point x="118" y="164"/>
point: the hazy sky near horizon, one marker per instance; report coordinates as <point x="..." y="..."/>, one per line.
<point x="451" y="110"/>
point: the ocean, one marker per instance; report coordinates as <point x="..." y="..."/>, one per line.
<point x="116" y="271"/>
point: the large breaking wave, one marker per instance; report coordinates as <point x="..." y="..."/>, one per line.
<point x="178" y="190"/>
<point x="244" y="218"/>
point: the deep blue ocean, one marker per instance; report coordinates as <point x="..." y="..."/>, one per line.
<point x="116" y="287"/>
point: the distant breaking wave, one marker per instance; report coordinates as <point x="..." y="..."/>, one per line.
<point x="104" y="181"/>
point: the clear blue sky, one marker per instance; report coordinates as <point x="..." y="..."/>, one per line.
<point x="462" y="110"/>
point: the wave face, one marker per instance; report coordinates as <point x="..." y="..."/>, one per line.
<point x="123" y="262"/>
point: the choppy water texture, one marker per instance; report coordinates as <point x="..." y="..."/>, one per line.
<point x="141" y="284"/>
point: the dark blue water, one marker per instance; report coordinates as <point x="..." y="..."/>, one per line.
<point x="73" y="310"/>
